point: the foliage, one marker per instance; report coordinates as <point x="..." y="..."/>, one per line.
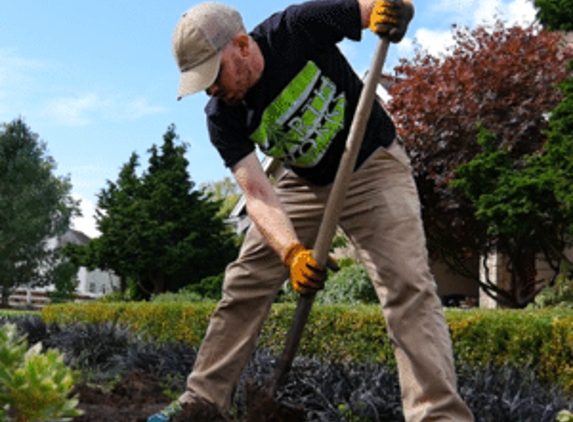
<point x="565" y="416"/>
<point x="33" y="385"/>
<point x="180" y="296"/>
<point x="521" y="210"/>
<point x="162" y="321"/>
<point x="93" y="346"/>
<point x="503" y="78"/>
<point x="527" y="208"/>
<point x="115" y="296"/>
<point x="155" y="228"/>
<point x="542" y="339"/>
<point x="11" y="313"/>
<point x="35" y="206"/>
<point x="350" y="285"/>
<point x="340" y="240"/>
<point x="66" y="282"/>
<point x="209" y="288"/>
<point x="224" y="192"/>
<point x="559" y="295"/>
<point x="555" y="14"/>
<point x="328" y="390"/>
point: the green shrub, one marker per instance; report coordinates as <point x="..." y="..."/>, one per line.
<point x="540" y="338"/>
<point x="164" y="322"/>
<point x="208" y="288"/>
<point x="350" y="285"/>
<point x="181" y="296"/>
<point x="11" y="313"/>
<point x="559" y="295"/>
<point x="33" y="385"/>
<point x="115" y="296"/>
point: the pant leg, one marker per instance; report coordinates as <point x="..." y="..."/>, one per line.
<point x="250" y="286"/>
<point x="382" y="219"/>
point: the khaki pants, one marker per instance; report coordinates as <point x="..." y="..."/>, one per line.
<point x="382" y="219"/>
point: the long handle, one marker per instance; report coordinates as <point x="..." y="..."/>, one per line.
<point x="334" y="206"/>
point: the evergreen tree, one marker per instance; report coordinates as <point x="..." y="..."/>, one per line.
<point x="35" y="206"/>
<point x="528" y="209"/>
<point x="555" y="14"/>
<point x="155" y="228"/>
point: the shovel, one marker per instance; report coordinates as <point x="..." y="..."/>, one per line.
<point x="333" y="208"/>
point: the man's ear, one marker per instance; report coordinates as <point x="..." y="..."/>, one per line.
<point x="241" y="42"/>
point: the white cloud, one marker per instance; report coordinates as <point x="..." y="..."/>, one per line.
<point x="74" y="111"/>
<point x="15" y="80"/>
<point x="85" y="109"/>
<point x="434" y="42"/>
<point x="470" y="13"/>
<point x="13" y="67"/>
<point x="521" y="12"/>
<point x="406" y="47"/>
<point x="454" y="11"/>
<point x="474" y="12"/>
<point x="86" y="223"/>
<point x="139" y="108"/>
<point x="488" y="11"/>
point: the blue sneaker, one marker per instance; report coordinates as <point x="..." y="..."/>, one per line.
<point x="168" y="413"/>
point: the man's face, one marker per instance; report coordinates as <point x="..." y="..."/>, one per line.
<point x="232" y="83"/>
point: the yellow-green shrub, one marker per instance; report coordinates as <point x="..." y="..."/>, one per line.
<point x="541" y="338"/>
<point x="162" y="322"/>
<point x="33" y="385"/>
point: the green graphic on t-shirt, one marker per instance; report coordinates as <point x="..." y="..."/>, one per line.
<point x="299" y="125"/>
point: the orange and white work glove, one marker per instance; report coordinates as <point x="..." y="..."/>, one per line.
<point x="390" y="18"/>
<point x="307" y="275"/>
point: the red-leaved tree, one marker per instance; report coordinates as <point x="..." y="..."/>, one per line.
<point x="503" y="78"/>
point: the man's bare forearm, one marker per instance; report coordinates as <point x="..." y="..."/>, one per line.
<point x="264" y="206"/>
<point x="366" y="7"/>
<point x="273" y="222"/>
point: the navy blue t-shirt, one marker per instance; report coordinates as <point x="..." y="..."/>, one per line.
<point x="301" y="109"/>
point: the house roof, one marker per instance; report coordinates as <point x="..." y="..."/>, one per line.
<point x="74" y="237"/>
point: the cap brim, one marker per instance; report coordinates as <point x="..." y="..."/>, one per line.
<point x="200" y="77"/>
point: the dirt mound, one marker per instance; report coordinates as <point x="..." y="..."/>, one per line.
<point x="139" y="395"/>
<point x="133" y="399"/>
<point x="261" y="406"/>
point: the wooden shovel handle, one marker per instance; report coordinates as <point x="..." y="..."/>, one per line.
<point x="334" y="206"/>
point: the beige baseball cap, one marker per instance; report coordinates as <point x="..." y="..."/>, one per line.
<point x="201" y="34"/>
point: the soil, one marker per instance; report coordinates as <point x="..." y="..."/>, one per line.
<point x="133" y="399"/>
<point x="140" y="395"/>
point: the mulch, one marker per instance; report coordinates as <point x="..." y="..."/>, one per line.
<point x="139" y="395"/>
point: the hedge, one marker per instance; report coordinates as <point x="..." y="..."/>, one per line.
<point x="10" y="313"/>
<point x="539" y="338"/>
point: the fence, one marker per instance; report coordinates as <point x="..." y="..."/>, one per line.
<point x="39" y="299"/>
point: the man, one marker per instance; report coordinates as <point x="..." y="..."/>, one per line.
<point x="286" y="88"/>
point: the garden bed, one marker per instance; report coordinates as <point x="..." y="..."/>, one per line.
<point x="126" y="379"/>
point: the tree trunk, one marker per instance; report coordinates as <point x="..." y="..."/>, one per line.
<point x="122" y="283"/>
<point x="5" y="297"/>
<point x="159" y="282"/>
<point x="526" y="273"/>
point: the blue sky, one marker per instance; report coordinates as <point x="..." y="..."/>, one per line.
<point x="96" y="79"/>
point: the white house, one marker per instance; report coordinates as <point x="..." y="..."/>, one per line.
<point x="91" y="284"/>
